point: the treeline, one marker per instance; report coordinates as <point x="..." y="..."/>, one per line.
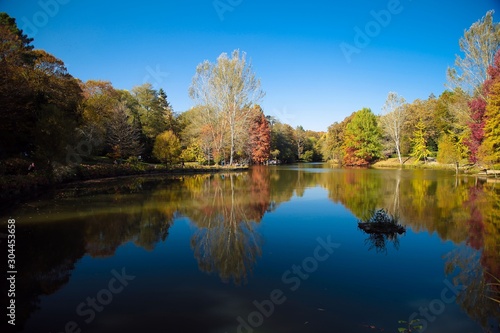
<point x="50" y="117"/>
<point x="460" y="126"/>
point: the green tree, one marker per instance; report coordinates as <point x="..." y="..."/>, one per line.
<point x="362" y="137"/>
<point x="153" y="112"/>
<point x="283" y="142"/>
<point x="167" y="148"/>
<point x="167" y="111"/>
<point x="419" y="140"/>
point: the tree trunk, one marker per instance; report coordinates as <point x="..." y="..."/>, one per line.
<point x="399" y="154"/>
<point x="232" y="146"/>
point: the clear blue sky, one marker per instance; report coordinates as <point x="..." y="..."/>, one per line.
<point x="295" y="47"/>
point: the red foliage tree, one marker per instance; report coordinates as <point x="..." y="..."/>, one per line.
<point x="477" y="108"/>
<point x="260" y="138"/>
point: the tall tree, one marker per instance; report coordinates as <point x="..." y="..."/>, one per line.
<point x="98" y="105"/>
<point x="393" y="120"/>
<point x="151" y="110"/>
<point x="490" y="147"/>
<point x="39" y="98"/>
<point x="123" y="136"/>
<point x="283" y="145"/>
<point x="419" y="149"/>
<point x="260" y="138"/>
<point x="167" y="110"/>
<point x="300" y="139"/>
<point x="362" y="139"/>
<point x="479" y="45"/>
<point x="226" y="90"/>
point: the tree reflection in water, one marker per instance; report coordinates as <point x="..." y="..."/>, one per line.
<point x="226" y="241"/>
<point x="226" y="210"/>
<point x="382" y="228"/>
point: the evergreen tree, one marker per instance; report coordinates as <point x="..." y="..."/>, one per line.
<point x="419" y="140"/>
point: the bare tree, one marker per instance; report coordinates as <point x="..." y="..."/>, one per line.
<point x="123" y="136"/>
<point x="393" y="119"/>
<point x="479" y="45"/>
<point x="226" y="89"/>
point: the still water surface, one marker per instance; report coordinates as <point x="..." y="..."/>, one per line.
<point x="274" y="249"/>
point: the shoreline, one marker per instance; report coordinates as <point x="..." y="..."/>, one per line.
<point x="16" y="188"/>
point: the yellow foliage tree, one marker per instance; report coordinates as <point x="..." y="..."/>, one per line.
<point x="167" y="148"/>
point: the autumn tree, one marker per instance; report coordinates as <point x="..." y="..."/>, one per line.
<point x="393" y="120"/>
<point x="16" y="118"/>
<point x="226" y="89"/>
<point x="452" y="149"/>
<point x="479" y="45"/>
<point x="332" y="148"/>
<point x="98" y="105"/>
<point x="490" y="147"/>
<point x="419" y="140"/>
<point x="123" y="136"/>
<point x="39" y="98"/>
<point x="362" y="139"/>
<point x="260" y="137"/>
<point x="167" y="148"/>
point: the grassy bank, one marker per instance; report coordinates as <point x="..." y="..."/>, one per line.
<point x="23" y="184"/>
<point x="411" y="163"/>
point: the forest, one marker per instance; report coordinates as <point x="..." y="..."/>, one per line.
<point x="51" y="118"/>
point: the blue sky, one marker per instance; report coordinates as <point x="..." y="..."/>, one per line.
<point x="295" y="46"/>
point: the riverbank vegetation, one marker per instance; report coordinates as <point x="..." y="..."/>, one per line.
<point x="52" y="121"/>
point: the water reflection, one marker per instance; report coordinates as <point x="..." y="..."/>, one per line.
<point x="382" y="228"/>
<point x="228" y="206"/>
<point x="226" y="210"/>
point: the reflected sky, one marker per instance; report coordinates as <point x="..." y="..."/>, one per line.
<point x="204" y="249"/>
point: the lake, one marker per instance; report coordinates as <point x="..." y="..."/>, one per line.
<point x="272" y="249"/>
